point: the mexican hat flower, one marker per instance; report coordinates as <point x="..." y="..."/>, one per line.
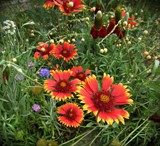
<point x="61" y="86"/>
<point x="66" y="51"/>
<point x="44" y="50"/>
<point x="49" y="4"/>
<point x="79" y="73"/>
<point x="70" y="115"/>
<point x="103" y="102"/>
<point x="70" y="6"/>
<point x="114" y="27"/>
<point x="98" y="29"/>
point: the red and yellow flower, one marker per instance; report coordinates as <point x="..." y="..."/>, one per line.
<point x="70" y="6"/>
<point x="61" y="86"/>
<point x="44" y="50"/>
<point x="66" y="51"/>
<point x="70" y="115"/>
<point x="103" y="102"/>
<point x="49" y="4"/>
<point x="79" y="73"/>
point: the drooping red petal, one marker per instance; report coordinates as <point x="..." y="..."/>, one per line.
<point x="102" y="32"/>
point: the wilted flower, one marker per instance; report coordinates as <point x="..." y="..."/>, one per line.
<point x="19" y="77"/>
<point x="30" y="64"/>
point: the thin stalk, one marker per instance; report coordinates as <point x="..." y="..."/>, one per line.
<point x="95" y="137"/>
<point x="123" y="141"/>
<point x="136" y="135"/>
<point x="83" y="135"/>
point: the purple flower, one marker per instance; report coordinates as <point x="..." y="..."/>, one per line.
<point x="19" y="77"/>
<point x="44" y="72"/>
<point x="30" y="64"/>
<point x="36" y="107"/>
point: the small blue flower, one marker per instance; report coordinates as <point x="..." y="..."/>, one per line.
<point x="44" y="72"/>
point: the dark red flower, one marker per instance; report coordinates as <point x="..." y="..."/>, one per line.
<point x="101" y="33"/>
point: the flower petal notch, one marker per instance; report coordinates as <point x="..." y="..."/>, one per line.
<point x="102" y="102"/>
<point x="70" y="115"/>
<point x="66" y="51"/>
<point x="61" y="86"/>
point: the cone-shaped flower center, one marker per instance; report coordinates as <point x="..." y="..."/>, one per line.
<point x="63" y="86"/>
<point x="103" y="101"/>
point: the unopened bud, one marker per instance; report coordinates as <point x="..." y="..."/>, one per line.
<point x="70" y="4"/>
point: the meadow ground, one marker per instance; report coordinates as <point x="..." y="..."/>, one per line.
<point x="76" y="73"/>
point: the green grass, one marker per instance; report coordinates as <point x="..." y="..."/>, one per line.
<point x="125" y="61"/>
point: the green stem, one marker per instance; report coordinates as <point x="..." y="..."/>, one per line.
<point x="83" y="135"/>
<point x="136" y="135"/>
<point x="123" y="141"/>
<point x="95" y="137"/>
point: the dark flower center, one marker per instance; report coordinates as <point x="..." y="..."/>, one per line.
<point x="103" y="101"/>
<point x="70" y="114"/>
<point x="81" y="76"/>
<point x="63" y="86"/>
<point x="65" y="53"/>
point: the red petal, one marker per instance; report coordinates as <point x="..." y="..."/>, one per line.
<point x="106" y="82"/>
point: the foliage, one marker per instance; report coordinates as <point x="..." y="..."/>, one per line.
<point x="132" y="61"/>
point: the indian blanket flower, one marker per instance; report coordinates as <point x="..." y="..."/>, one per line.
<point x="69" y="6"/>
<point x="44" y="72"/>
<point x="70" y="115"/>
<point x="36" y="107"/>
<point x="66" y="51"/>
<point x="98" y="29"/>
<point x="44" y="50"/>
<point x="61" y="86"/>
<point x="103" y="102"/>
<point x="49" y="4"/>
<point x="79" y="73"/>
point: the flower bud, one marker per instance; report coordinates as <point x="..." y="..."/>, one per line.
<point x="41" y="142"/>
<point x="98" y="20"/>
<point x="70" y="4"/>
<point x="118" y="14"/>
<point x="37" y="89"/>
